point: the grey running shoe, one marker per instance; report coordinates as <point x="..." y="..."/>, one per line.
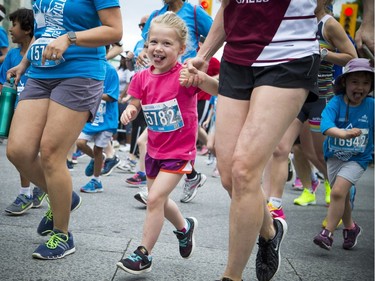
<point x="186" y="240"/>
<point x="20" y="205"/>
<point x="128" y="166"/>
<point x="191" y="187"/>
<point x="350" y="236"/>
<point x="268" y="256"/>
<point x="38" y="197"/>
<point x="142" y="195"/>
<point x="324" y="239"/>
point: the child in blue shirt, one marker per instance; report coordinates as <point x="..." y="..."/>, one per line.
<point x="101" y="130"/>
<point x="348" y="121"/>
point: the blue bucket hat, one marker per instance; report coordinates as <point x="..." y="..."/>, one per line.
<point x="354" y="65"/>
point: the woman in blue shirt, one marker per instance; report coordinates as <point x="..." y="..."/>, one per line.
<point x="66" y="61"/>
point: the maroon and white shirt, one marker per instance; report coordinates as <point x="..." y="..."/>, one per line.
<point x="268" y="32"/>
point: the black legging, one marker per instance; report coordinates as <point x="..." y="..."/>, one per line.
<point x="138" y="125"/>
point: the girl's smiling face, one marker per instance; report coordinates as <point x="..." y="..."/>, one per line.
<point x="358" y="86"/>
<point x="164" y="48"/>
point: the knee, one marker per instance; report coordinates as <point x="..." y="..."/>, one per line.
<point x="281" y="152"/>
<point x="245" y="176"/>
<point x="153" y="201"/>
<point x="20" y="154"/>
<point x="80" y="143"/>
<point x="336" y="195"/>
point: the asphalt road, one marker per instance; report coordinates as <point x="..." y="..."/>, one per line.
<point x="109" y="225"/>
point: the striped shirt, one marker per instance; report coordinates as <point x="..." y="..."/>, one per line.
<point x="268" y="32"/>
<point x="325" y="75"/>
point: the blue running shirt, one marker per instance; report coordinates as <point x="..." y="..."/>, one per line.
<point x="54" y="18"/>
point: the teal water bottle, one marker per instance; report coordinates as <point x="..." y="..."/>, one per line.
<point x="8" y="99"/>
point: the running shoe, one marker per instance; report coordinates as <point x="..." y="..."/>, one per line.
<point x="186" y="240"/>
<point x="38" y="197"/>
<point x="138" y="262"/>
<point x="128" y="166"/>
<point x="268" y="257"/>
<point x="58" y="246"/>
<point x="328" y="192"/>
<point x="93" y="186"/>
<point x="191" y="187"/>
<point x="276" y="212"/>
<point x="142" y="195"/>
<point x="46" y="224"/>
<point x="324" y="239"/>
<point x="20" y="205"/>
<point x="306" y="198"/>
<point x="351" y="236"/>
<point x="138" y="179"/>
<point x="109" y="165"/>
<point x="353" y="191"/>
<point x="89" y="171"/>
<point x="297" y="184"/>
<point x="70" y="165"/>
<point x="78" y="154"/>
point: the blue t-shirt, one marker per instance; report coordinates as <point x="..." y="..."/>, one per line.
<point x="198" y="24"/>
<point x="13" y="58"/>
<point x="357" y="149"/>
<point x="106" y="118"/>
<point x="54" y="18"/>
<point x="4" y="42"/>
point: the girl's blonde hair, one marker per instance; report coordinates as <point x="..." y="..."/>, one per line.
<point x="170" y="19"/>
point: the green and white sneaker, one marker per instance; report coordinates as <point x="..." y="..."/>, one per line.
<point x="20" y="205"/>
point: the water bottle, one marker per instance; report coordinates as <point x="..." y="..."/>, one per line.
<point x="7" y="102"/>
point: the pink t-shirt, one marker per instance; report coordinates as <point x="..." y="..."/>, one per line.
<point x="158" y="88"/>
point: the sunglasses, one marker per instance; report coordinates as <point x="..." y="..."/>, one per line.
<point x="141" y="25"/>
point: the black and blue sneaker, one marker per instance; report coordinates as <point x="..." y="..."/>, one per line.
<point x="138" y="262"/>
<point x="109" y="165"/>
<point x="186" y="240"/>
<point x="58" y="246"/>
<point x="46" y="224"/>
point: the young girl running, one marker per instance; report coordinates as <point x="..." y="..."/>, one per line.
<point x="171" y="114"/>
<point x="348" y="121"/>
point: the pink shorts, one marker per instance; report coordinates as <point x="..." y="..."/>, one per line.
<point x="174" y="166"/>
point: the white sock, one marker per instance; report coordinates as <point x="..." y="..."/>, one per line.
<point x="276" y="202"/>
<point x="97" y="178"/>
<point x="26" y="191"/>
<point x="314" y="177"/>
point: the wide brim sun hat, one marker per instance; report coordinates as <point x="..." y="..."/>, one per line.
<point x="354" y="65"/>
